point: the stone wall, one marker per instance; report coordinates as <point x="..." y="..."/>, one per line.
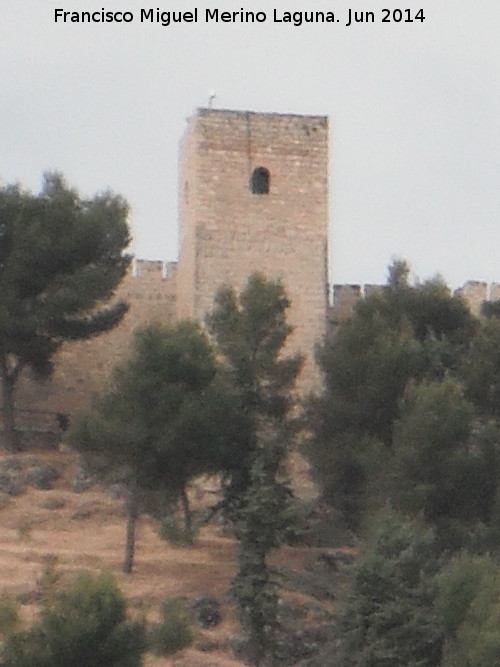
<point x="345" y="297"/>
<point x="228" y="232"/>
<point x="476" y="292"/>
<point x="81" y="368"/>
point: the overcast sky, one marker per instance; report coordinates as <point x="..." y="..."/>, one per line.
<point x="414" y="114"/>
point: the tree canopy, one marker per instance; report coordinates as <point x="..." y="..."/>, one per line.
<point x="387" y="615"/>
<point x="86" y="624"/>
<point x="399" y="334"/>
<point x="251" y="330"/>
<point x="61" y="259"/>
<point x="167" y="416"/>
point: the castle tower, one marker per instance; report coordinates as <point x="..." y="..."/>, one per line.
<point x="254" y="197"/>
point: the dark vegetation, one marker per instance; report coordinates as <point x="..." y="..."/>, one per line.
<point x="83" y="624"/>
<point x="61" y="258"/>
<point x="404" y="444"/>
<point x="250" y="331"/>
<point x="165" y="418"/>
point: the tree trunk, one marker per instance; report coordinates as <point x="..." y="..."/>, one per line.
<point x="13" y="442"/>
<point x="132" y="509"/>
<point x="188" y="522"/>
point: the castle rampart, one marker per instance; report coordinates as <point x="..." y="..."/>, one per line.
<point x="253" y="196"/>
<point x="345" y="297"/>
<point x="81" y="368"/>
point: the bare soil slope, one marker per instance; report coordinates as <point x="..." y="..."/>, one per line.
<point x="86" y="531"/>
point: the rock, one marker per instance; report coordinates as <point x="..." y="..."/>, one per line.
<point x="54" y="503"/>
<point x="207" y="612"/>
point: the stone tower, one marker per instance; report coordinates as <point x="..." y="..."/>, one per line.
<point x="253" y="196"/>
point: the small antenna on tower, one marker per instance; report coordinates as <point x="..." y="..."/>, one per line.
<point x="211" y="98"/>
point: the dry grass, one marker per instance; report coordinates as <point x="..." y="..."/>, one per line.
<point x="86" y="531"/>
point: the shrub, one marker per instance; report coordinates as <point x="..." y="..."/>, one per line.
<point x="388" y="617"/>
<point x="469" y="605"/>
<point x="207" y="611"/>
<point x="49" y="579"/>
<point x="9" y="614"/>
<point x="176" y="533"/>
<point x="173" y="632"/>
<point x="85" y="626"/>
<point x="24" y="526"/>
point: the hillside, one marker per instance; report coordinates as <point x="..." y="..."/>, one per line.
<point x="85" y="530"/>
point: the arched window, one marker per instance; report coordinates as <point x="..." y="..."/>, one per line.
<point x="260" y="180"/>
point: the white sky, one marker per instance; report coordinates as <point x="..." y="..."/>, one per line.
<point x="414" y="111"/>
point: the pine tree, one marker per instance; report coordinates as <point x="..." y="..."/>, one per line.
<point x="251" y="330"/>
<point x="165" y="418"/>
<point x="86" y="625"/>
<point x="398" y="334"/>
<point x="387" y="615"/>
<point x="61" y="259"/>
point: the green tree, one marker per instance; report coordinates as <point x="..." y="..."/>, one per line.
<point x="399" y="333"/>
<point x="174" y="631"/>
<point x="387" y="616"/>
<point x="163" y="420"/>
<point x="446" y="466"/>
<point x="251" y="330"/>
<point x="61" y="259"/>
<point x="458" y="583"/>
<point x="468" y="604"/>
<point x="85" y="626"/>
<point x="480" y="369"/>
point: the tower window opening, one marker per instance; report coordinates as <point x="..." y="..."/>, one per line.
<point x="259" y="181"/>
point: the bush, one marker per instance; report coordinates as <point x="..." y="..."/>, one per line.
<point x="458" y="584"/>
<point x="172" y="531"/>
<point x="388" y="617"/>
<point x="43" y="477"/>
<point x="469" y="605"/>
<point x="85" y="626"/>
<point x="49" y="579"/>
<point x="207" y="611"/>
<point x="24" y="526"/>
<point x="9" y="614"/>
<point x="173" y="632"/>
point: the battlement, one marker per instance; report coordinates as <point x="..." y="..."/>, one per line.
<point x="476" y="292"/>
<point x="345" y="297"/>
<point x="141" y="268"/>
<point x="253" y="196"/>
<point x="82" y="367"/>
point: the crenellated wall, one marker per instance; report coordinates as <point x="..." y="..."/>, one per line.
<point x="81" y="368"/>
<point x="345" y="297"/>
<point x="228" y="230"/>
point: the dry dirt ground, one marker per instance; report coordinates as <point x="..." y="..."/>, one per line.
<point x="86" y="531"/>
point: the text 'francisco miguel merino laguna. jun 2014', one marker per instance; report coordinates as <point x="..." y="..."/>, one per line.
<point x="214" y="15"/>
